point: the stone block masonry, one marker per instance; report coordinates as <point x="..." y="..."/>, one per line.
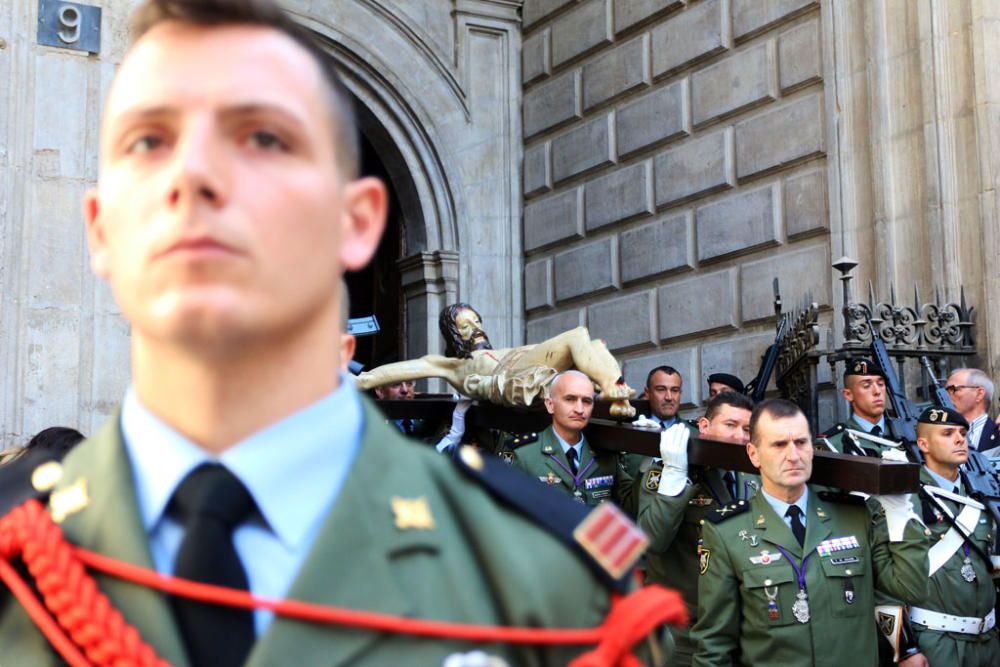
<point x="674" y="163"/>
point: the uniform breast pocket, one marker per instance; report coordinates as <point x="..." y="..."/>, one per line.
<point x="850" y="593"/>
<point x="770" y="593"/>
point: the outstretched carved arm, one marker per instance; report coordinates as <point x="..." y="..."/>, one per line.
<point x="430" y="366"/>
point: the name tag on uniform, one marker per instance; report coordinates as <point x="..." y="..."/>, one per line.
<point x="598" y="482"/>
<point x="846" y="560"/>
<point x="602" y="493"/>
<point x="827" y="547"/>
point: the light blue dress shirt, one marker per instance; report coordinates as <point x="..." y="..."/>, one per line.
<point x="566" y="446"/>
<point x="294" y="469"/>
<point x="946" y="484"/>
<point x="780" y="506"/>
<point x="867" y="426"/>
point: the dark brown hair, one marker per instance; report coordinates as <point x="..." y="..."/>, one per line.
<point x="264" y="13"/>
<point x="730" y="398"/>
<point x="776" y="408"/>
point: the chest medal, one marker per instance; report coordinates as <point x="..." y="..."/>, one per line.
<point x="968" y="572"/>
<point x="800" y="610"/>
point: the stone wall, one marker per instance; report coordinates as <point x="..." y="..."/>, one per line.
<point x="674" y="165"/>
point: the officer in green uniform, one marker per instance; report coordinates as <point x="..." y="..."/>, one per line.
<point x="664" y="388"/>
<point x="673" y="500"/>
<point x="865" y="431"/>
<point x="227" y="209"/>
<point x="788" y="577"/>
<point x="955" y="623"/>
<point x="562" y="458"/>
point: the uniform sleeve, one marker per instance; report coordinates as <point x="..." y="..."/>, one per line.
<point x="660" y="516"/>
<point x="716" y="634"/>
<point x="900" y="567"/>
<point x="625" y="492"/>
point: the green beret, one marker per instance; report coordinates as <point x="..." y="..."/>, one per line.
<point x="943" y="417"/>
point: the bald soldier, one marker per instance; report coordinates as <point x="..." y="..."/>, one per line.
<point x="561" y="457"/>
<point x="788" y="577"/>
<point x="674" y="499"/>
<point x="228" y="206"/>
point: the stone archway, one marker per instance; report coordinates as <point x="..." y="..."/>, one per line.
<point x="445" y="121"/>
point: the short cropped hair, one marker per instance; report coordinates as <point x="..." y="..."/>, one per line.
<point x="558" y="378"/>
<point x="775" y="408"/>
<point x="669" y="370"/>
<point x="730" y="398"/>
<point x="265" y="13"/>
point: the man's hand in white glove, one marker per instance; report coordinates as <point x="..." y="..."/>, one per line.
<point x="454" y="435"/>
<point x="673" y="451"/>
<point x="898" y="511"/>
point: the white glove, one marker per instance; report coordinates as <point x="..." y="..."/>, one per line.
<point x="898" y="512"/>
<point x="457" y="430"/>
<point x="645" y="422"/>
<point x="894" y="455"/>
<point x="673" y="451"/>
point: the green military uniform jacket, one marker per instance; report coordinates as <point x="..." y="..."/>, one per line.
<point x="673" y="525"/>
<point x="600" y="475"/>
<point x="477" y="563"/>
<point x="837" y="434"/>
<point x="948" y="591"/>
<point x="738" y="577"/>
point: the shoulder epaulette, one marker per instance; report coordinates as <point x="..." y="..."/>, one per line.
<point x="727" y="511"/>
<point x="604" y="538"/>
<point x="521" y="439"/>
<point x="833" y="430"/>
<point x="32" y="475"/>
<point x="841" y="497"/>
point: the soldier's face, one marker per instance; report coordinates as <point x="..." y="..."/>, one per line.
<point x="782" y="450"/>
<point x="571" y="403"/>
<point x="730" y="423"/>
<point x="664" y="393"/>
<point x="221" y="215"/>
<point x="716" y="388"/>
<point x="944" y="446"/>
<point x="866" y="394"/>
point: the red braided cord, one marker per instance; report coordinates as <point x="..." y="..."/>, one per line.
<point x="72" y="596"/>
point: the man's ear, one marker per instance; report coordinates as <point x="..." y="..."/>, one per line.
<point x="549" y="406"/>
<point x="752" y="455"/>
<point x="96" y="237"/>
<point x="366" y="204"/>
<point x="922" y="444"/>
<point x="702" y="425"/>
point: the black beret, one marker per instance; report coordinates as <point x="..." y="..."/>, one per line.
<point x="728" y="380"/>
<point x="943" y="417"/>
<point x="862" y="366"/>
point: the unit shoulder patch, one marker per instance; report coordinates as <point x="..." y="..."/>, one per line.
<point x="727" y="511"/>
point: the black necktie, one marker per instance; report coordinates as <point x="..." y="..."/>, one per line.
<point x="730" y="479"/>
<point x="210" y="503"/>
<point x="877" y="430"/>
<point x="798" y="528"/>
<point x="571" y="457"/>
